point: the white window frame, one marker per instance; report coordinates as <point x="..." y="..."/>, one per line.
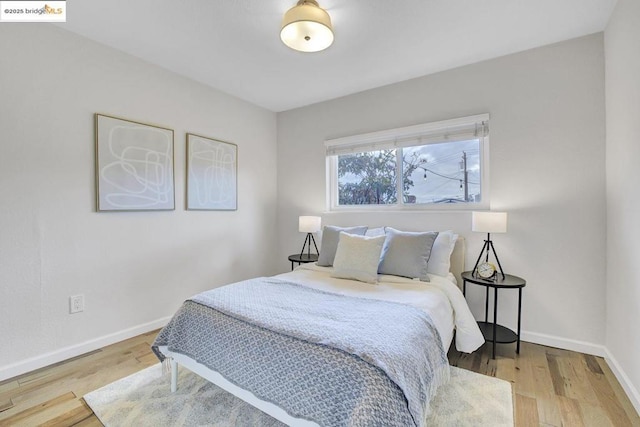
<point x="472" y="127"/>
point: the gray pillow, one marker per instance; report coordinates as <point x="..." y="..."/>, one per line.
<point x="330" y="239"/>
<point x="407" y="253"/>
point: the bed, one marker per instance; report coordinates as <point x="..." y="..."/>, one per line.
<point x="311" y="349"/>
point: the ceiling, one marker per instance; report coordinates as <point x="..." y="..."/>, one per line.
<point x="234" y="45"/>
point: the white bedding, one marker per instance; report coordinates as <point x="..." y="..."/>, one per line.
<point x="440" y="298"/>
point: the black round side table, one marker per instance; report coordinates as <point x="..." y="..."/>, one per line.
<point x="492" y="331"/>
<point x="302" y="258"/>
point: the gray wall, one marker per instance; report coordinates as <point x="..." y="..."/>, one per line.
<point x="547" y="171"/>
<point x="622" y="43"/>
<point x="134" y="269"/>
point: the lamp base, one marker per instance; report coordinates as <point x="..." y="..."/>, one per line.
<point x="309" y="239"/>
<point x="488" y="245"/>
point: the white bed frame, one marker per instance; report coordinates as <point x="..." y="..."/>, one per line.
<point x="217" y="379"/>
<point x="457" y="267"/>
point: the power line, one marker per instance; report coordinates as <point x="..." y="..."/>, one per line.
<point x="453" y="178"/>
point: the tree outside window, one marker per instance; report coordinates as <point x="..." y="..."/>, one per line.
<point x="447" y="172"/>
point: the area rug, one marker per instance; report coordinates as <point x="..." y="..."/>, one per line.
<point x="144" y="399"/>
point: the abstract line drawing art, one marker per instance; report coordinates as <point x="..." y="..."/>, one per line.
<point x="134" y="166"/>
<point x="211" y="174"/>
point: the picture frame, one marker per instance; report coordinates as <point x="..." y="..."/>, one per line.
<point x="212" y="174"/>
<point x="134" y="165"/>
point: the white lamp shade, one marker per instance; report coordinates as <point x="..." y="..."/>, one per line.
<point x="309" y="224"/>
<point x="306" y="27"/>
<point x="489" y="222"/>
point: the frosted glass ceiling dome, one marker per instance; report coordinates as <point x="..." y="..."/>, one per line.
<point x="306" y="27"/>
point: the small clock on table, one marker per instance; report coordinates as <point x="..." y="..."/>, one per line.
<point x="486" y="271"/>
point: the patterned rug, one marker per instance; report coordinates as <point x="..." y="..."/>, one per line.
<point x="144" y="399"/>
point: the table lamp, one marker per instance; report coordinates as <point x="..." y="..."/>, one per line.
<point x="488" y="222"/>
<point x="309" y="225"/>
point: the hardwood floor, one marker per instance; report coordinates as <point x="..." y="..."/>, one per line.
<point x="554" y="387"/>
<point x="551" y="387"/>
<point x="52" y="396"/>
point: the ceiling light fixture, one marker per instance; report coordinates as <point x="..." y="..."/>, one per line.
<point x="306" y="27"/>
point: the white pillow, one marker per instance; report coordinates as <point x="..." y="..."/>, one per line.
<point x="357" y="257"/>
<point x="374" y="232"/>
<point x="440" y="260"/>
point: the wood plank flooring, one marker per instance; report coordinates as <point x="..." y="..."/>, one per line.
<point x="52" y="396"/>
<point x="552" y="387"/>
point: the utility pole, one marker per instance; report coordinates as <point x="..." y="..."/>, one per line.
<point x="466" y="176"/>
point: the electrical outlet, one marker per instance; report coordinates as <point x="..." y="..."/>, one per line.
<point x="76" y="303"/>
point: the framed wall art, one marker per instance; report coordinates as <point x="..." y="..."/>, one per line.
<point x="134" y="166"/>
<point x="212" y="168"/>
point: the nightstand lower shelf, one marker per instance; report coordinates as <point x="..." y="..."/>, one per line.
<point x="503" y="335"/>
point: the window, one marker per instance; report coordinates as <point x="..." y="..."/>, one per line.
<point x="439" y="165"/>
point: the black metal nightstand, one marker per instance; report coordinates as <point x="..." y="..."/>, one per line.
<point x="492" y="331"/>
<point x="302" y="258"/>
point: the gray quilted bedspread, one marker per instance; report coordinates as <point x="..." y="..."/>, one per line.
<point x="332" y="359"/>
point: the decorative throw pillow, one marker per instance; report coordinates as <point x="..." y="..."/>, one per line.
<point x="330" y="238"/>
<point x="357" y="257"/>
<point x="407" y="253"/>
<point x="440" y="260"/>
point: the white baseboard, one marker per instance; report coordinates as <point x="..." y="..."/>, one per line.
<point x="564" y="343"/>
<point x="65" y="353"/>
<point x="593" y="349"/>
<point x="625" y="382"/>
